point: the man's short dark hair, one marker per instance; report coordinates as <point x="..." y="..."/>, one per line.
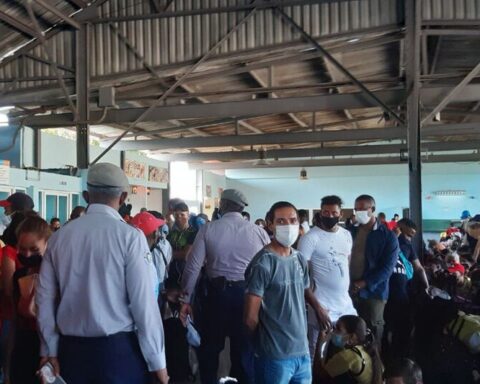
<point x="279" y="205"/>
<point x="396" y="215"/>
<point x="157" y="215"/>
<point x="54" y="220"/>
<point x="302" y="214"/>
<point x="368" y="198"/>
<point x="382" y="214"/>
<point x="407" y="223"/>
<point x="407" y="369"/>
<point x="181" y="207"/>
<point x="331" y="200"/>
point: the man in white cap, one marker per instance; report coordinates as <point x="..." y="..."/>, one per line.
<point x="226" y="246"/>
<point x="97" y="311"/>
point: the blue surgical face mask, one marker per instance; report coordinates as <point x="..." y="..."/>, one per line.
<point x="5" y="219"/>
<point x="164" y="231"/>
<point x="337" y="340"/>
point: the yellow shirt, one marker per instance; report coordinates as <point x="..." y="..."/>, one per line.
<point x="349" y="362"/>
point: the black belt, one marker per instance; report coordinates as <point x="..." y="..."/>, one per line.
<point x="87" y="339"/>
<point x="222" y="283"/>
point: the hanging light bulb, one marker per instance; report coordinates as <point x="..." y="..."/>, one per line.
<point x="303" y="174"/>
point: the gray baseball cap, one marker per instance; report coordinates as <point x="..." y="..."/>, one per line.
<point x="236" y="196"/>
<point x="107" y="175"/>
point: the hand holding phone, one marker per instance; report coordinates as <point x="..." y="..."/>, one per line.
<point x="47" y="375"/>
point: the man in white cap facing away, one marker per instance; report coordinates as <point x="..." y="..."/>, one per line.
<point x="226" y="246"/>
<point x="97" y="312"/>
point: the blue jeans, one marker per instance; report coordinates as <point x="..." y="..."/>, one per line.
<point x="296" y="370"/>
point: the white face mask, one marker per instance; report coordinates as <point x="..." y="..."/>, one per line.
<point x="362" y="217"/>
<point x="286" y="234"/>
<point x="5" y="219"/>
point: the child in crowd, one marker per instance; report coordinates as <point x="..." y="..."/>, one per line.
<point x="355" y="358"/>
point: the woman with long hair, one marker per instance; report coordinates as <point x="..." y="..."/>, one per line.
<point x="355" y="358"/>
<point x="32" y="237"/>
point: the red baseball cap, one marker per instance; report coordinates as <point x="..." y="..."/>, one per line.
<point x="146" y="222"/>
<point x="18" y="201"/>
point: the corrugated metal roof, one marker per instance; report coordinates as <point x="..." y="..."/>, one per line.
<point x="170" y="44"/>
<point x="450" y="9"/>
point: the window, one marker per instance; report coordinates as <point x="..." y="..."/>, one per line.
<point x="56" y="205"/>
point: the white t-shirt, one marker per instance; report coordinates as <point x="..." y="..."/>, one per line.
<point x="328" y="254"/>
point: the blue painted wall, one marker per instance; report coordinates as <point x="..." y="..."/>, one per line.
<point x="388" y="184"/>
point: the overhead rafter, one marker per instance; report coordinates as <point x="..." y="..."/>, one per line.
<point x="451" y="95"/>
<point x="51" y="8"/>
<point x="17" y="24"/>
<point x="377" y="149"/>
<point x="264" y="84"/>
<point x="392" y="133"/>
<point x="349" y="161"/>
<point x="79" y="3"/>
<point x="259" y="4"/>
<point x="328" y="56"/>
<point x="429" y="96"/>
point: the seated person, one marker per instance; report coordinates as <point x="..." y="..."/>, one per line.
<point x="356" y="358"/>
<point x="453" y="264"/>
<point x="403" y="371"/>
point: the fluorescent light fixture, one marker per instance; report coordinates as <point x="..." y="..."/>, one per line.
<point x="353" y="40"/>
<point x="450" y="192"/>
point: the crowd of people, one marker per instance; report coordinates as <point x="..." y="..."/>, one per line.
<point x="112" y="297"/>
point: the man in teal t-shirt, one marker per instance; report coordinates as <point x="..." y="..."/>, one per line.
<point x="277" y="286"/>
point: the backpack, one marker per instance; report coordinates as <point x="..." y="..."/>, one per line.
<point x="466" y="328"/>
<point x="407" y="265"/>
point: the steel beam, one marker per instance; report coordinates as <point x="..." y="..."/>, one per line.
<point x="17" y="25"/>
<point x="145" y="114"/>
<point x="40" y="37"/>
<point x="82" y="54"/>
<point x="377" y="149"/>
<point x="260" y="107"/>
<point x="327" y="55"/>
<point x="451" y="32"/>
<point x="79" y="3"/>
<point x="51" y="8"/>
<point x="414" y="134"/>
<point x="451" y="95"/>
<point x="259" y="4"/>
<point x="335" y="162"/>
<point x="299" y="138"/>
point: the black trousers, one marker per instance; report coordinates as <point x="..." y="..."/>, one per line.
<point x="115" y="359"/>
<point x="397" y="341"/>
<point x="25" y="357"/>
<point x="222" y="316"/>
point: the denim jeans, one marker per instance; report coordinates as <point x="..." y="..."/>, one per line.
<point x="296" y="370"/>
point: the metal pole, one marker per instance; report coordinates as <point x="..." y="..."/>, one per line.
<point x="176" y="85"/>
<point x="41" y="38"/>
<point x="82" y="83"/>
<point x="413" y="26"/>
<point x="337" y="64"/>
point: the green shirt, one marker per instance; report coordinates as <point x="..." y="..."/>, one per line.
<point x="179" y="239"/>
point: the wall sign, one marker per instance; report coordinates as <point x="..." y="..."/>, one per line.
<point x="157" y="175"/>
<point x="134" y="169"/>
<point x="5" y="172"/>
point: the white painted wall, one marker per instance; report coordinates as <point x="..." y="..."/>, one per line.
<point x="387" y="183"/>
